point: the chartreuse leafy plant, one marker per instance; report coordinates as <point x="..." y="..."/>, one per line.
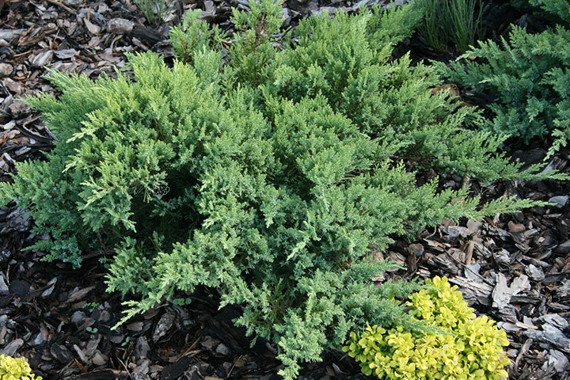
<point x="465" y="347"/>
<point x="527" y="78"/>
<point x="267" y="169"/>
<point x="16" y="369"/>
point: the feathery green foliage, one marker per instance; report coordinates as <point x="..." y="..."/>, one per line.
<point x="556" y="11"/>
<point x="268" y="173"/>
<point x="559" y="9"/>
<point x="527" y="76"/>
<point x="194" y="37"/>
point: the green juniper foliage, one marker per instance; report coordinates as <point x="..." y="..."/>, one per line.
<point x="270" y="173"/>
<point x="557" y="11"/>
<point x="528" y="77"/>
<point x="193" y="37"/>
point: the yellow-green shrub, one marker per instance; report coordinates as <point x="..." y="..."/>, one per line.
<point x="465" y="347"/>
<point x="15" y="369"/>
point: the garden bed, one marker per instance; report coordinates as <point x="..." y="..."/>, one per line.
<point x="513" y="268"/>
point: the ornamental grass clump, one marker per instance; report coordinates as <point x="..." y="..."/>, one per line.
<point x="267" y="169"/>
<point x="450" y="26"/>
<point x="153" y="10"/>
<point x="16" y="369"/>
<point x="463" y="346"/>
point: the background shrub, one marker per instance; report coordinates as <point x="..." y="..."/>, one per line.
<point x="550" y="11"/>
<point x="268" y="173"/>
<point x="526" y="78"/>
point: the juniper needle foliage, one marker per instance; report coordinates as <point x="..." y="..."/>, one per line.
<point x="527" y="77"/>
<point x="270" y="171"/>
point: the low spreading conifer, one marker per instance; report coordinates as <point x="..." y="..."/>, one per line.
<point x="525" y="77"/>
<point x="268" y="168"/>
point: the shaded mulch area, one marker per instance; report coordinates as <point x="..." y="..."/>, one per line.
<point x="514" y="268"/>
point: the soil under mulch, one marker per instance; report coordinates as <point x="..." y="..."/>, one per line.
<point x="513" y="268"/>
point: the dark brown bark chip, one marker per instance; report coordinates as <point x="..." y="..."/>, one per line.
<point x="175" y="370"/>
<point x="19" y="288"/>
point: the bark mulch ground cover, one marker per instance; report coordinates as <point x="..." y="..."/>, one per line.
<point x="513" y="268"/>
